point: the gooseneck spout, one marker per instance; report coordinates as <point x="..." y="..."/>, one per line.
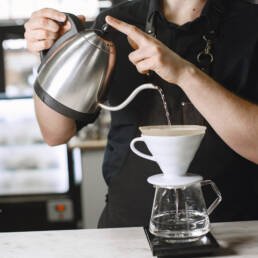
<point x="130" y="98"/>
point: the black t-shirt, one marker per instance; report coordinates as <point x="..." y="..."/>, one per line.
<point x="235" y="67"/>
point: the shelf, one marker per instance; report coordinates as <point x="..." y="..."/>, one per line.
<point x="87" y="145"/>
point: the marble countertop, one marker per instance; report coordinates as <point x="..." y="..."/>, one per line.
<point x="239" y="239"/>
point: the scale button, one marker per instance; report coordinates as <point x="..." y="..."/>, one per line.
<point x="60" y="210"/>
<point x="60" y="207"/>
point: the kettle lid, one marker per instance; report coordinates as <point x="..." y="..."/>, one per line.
<point x="94" y="39"/>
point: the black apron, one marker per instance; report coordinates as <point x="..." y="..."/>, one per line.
<point x="130" y="197"/>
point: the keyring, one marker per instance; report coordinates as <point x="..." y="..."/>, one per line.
<point x="205" y="54"/>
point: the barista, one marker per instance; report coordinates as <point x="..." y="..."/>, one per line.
<point x="218" y="37"/>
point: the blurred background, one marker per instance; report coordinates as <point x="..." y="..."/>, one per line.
<point x="43" y="187"/>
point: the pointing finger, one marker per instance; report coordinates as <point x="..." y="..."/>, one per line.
<point x="131" y="31"/>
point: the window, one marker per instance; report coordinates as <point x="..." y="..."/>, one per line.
<point x="17" y="9"/>
<point x="20" y="68"/>
<point x="27" y="164"/>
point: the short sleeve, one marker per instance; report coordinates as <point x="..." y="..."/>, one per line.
<point x="90" y="118"/>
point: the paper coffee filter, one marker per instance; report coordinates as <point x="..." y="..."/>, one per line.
<point x="172" y="130"/>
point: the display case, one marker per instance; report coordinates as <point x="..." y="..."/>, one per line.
<point x="40" y="186"/>
<point x="20" y="67"/>
<point x="27" y="164"/>
<point x="34" y="177"/>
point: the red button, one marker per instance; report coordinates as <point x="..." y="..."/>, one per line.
<point x="60" y="207"/>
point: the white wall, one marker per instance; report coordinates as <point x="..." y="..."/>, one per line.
<point x="94" y="188"/>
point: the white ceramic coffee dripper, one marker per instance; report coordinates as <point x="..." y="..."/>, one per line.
<point x="179" y="212"/>
<point x="172" y="148"/>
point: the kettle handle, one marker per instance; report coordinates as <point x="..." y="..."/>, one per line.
<point x="76" y="26"/>
<point x="216" y="190"/>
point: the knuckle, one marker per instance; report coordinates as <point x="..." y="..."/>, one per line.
<point x="130" y="56"/>
<point x="26" y="25"/>
<point x="159" y="58"/>
<point x="133" y="29"/>
<point x="44" y="44"/>
<point x="35" y="13"/>
<point x="156" y="59"/>
<point x="44" y="11"/>
<point x="36" y="49"/>
<point x="50" y="12"/>
<point x="156" y="48"/>
<point x="57" y="27"/>
<point x="39" y="12"/>
<point x="43" y="22"/>
<point x="138" y="68"/>
<point x="26" y="35"/>
<point x="47" y="44"/>
<point x="45" y="34"/>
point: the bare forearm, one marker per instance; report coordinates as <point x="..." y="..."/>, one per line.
<point x="233" y="118"/>
<point x="55" y="128"/>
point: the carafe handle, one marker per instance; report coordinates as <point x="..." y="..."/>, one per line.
<point x="216" y="202"/>
<point x="142" y="155"/>
<point x="130" y="98"/>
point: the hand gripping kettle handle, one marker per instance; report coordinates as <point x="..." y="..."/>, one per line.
<point x="76" y="27"/>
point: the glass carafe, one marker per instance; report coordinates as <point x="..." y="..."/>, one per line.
<point x="179" y="214"/>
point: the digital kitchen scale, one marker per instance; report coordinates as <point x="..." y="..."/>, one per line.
<point x="204" y="246"/>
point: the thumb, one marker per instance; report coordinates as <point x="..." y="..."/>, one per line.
<point x="82" y="18"/>
<point x="67" y="25"/>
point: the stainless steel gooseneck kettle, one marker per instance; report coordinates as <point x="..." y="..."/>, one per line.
<point x="73" y="75"/>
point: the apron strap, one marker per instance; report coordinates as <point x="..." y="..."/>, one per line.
<point x="205" y="58"/>
<point x="150" y="25"/>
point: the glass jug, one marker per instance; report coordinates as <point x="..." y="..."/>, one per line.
<point x="179" y="214"/>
